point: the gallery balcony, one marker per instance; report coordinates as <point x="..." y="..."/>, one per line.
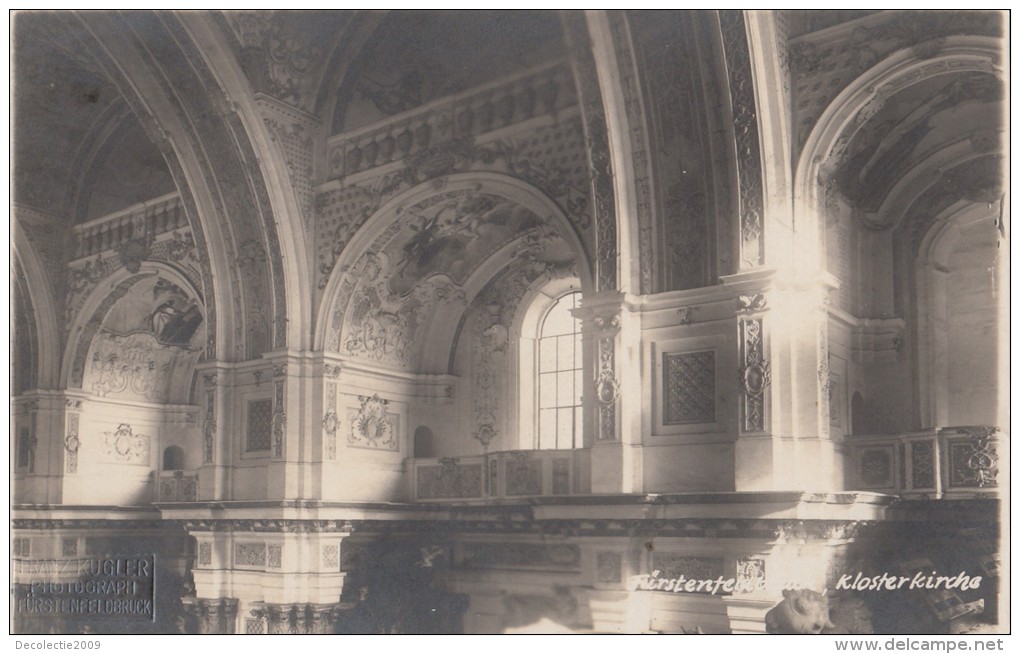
<point x="516" y="474"/>
<point x="942" y="463"/>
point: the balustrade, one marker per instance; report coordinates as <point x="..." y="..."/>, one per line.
<point x="541" y="91"/>
<point x="528" y="473"/>
<point x="948" y="462"/>
<point x="143" y="221"/>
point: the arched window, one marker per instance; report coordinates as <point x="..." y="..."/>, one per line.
<point x="559" y="376"/>
<point x="173" y="458"/>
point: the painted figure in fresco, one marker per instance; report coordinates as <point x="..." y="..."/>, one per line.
<point x="172" y="326"/>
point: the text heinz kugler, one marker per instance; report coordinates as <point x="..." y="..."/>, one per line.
<point x="99" y="586"/>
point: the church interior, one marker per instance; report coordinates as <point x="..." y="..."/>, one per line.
<point x="509" y="321"/>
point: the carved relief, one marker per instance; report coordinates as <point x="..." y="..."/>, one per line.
<point x="745" y="131"/>
<point x="607" y="386"/>
<point x="609" y="567"/>
<point x="490" y="353"/>
<point x="561" y="476"/>
<point x="329" y="423"/>
<point x="523" y="474"/>
<point x="974" y="460"/>
<point x="680" y="155"/>
<point x="823" y="66"/>
<point x="205" y="553"/>
<point x="755" y="374"/>
<point x="212" y="616"/>
<point x="250" y="554"/>
<point x="549" y="158"/>
<point x="596" y="135"/>
<point x="674" y="566"/>
<point x="279" y="419"/>
<point x="922" y="464"/>
<point x="750" y="574"/>
<point x="688" y="387"/>
<point x="124" y="445"/>
<point x="448" y="480"/>
<point x="137" y="365"/>
<point x="274" y="556"/>
<point x="331" y="557"/>
<point x="875" y="467"/>
<point x="209" y="426"/>
<point x="71" y="443"/>
<point x="638" y="135"/>
<point x="372" y="426"/>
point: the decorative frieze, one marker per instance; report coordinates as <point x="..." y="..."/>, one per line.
<point x="295" y="618"/>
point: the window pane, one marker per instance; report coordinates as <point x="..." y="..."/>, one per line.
<point x="547" y="390"/>
<point x="578" y="386"/>
<point x="578" y="352"/>
<point x="547" y="429"/>
<point x="558" y="320"/>
<point x="565" y="388"/>
<point x="547" y="354"/>
<point x="564" y="427"/>
<point x="565" y="352"/>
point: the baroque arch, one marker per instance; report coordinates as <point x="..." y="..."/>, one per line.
<point x="168" y="285"/>
<point x="214" y="165"/>
<point x="465" y="219"/>
<point x="865" y="97"/>
<point x="40" y="295"/>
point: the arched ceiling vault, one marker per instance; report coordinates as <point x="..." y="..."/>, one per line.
<point x="149" y="61"/>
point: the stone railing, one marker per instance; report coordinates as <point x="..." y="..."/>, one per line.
<point x="526" y="473"/>
<point x="948" y="462"/>
<point x="484" y="109"/>
<point x="177" y="486"/>
<point x="143" y="221"/>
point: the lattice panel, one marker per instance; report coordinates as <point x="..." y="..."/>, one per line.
<point x="688" y="387"/>
<point x="260" y="425"/>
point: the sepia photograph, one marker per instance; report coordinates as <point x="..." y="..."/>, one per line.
<point x="572" y="321"/>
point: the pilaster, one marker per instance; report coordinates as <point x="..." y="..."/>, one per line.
<point x="612" y="327"/>
<point x="782" y="340"/>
